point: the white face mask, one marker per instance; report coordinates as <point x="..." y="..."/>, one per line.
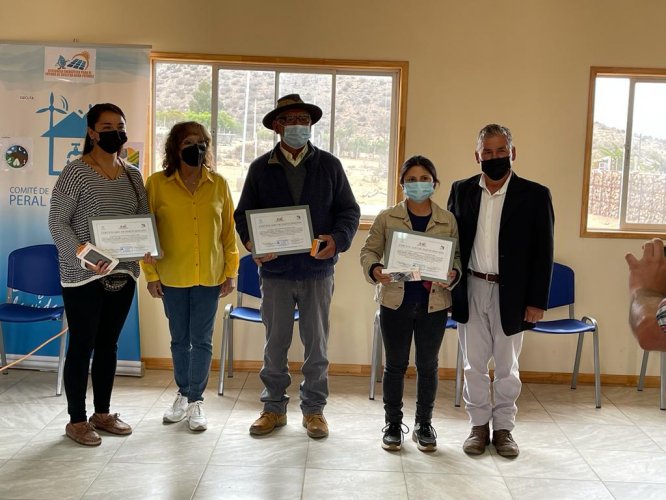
<point x="296" y="136"/>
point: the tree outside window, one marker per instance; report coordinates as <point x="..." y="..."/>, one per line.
<point x="361" y="114"/>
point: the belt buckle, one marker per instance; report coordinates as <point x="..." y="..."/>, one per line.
<point x="486" y="277"/>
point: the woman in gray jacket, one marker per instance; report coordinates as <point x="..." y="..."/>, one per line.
<point x="411" y="308"/>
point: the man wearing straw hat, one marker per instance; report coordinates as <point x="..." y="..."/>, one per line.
<point x="296" y="172"/>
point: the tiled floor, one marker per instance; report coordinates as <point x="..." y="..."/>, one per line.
<point x="569" y="449"/>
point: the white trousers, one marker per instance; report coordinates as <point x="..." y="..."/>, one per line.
<point x="481" y="339"/>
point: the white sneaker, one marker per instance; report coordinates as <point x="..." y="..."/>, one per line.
<point x="176" y="412"/>
<point x="196" y="417"/>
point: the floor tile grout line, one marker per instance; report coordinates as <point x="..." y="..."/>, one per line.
<point x="579" y="451"/>
<point x="582" y="455"/>
<point x="206" y="466"/>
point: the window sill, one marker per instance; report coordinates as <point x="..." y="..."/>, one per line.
<point x="605" y="233"/>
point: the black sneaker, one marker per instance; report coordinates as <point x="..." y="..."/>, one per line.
<point x="425" y="436"/>
<point x="393" y="432"/>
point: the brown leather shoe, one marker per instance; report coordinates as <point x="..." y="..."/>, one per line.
<point x="111" y="423"/>
<point x="504" y="443"/>
<point x="267" y="422"/>
<point x="316" y="425"/>
<point x="83" y="433"/>
<point x="478" y="439"/>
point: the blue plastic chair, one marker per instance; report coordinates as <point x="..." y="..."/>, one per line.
<point x="378" y="354"/>
<point x="248" y="284"/>
<point x="34" y="270"/>
<point x="562" y="294"/>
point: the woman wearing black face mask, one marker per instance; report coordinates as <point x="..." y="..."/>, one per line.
<point x="96" y="301"/>
<point x="194" y="212"/>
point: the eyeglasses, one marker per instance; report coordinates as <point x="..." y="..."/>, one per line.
<point x="294" y="119"/>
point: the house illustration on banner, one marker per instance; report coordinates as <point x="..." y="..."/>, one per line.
<point x="62" y="149"/>
<point x="72" y="126"/>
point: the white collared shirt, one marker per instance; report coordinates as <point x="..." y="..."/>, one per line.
<point x="485" y="251"/>
<point x="299" y="156"/>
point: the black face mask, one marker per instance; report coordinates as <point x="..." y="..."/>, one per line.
<point x="194" y="155"/>
<point x="496" y="168"/>
<point x="112" y="140"/>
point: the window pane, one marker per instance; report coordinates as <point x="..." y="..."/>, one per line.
<point x="607" y="155"/>
<point x="363" y="115"/>
<point x="182" y="93"/>
<point x="646" y="198"/>
<point x="244" y="97"/>
<point x="314" y="89"/>
<point x="363" y="137"/>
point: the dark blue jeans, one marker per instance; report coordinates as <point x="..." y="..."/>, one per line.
<point x="398" y="327"/>
<point x="191" y="313"/>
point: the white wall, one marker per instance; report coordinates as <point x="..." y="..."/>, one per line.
<point x="523" y="63"/>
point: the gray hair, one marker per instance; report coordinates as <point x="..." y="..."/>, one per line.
<point x="491" y="130"/>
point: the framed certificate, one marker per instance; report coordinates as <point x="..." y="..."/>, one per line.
<point x="125" y="237"/>
<point x="432" y="255"/>
<point x="282" y="230"/>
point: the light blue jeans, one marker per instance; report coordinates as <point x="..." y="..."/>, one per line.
<point x="280" y="298"/>
<point x="191" y="313"/>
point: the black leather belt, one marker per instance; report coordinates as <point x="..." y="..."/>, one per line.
<point x="490" y="278"/>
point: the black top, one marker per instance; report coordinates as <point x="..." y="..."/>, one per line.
<point x="415" y="292"/>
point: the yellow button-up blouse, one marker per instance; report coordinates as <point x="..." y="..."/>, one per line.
<point x="197" y="231"/>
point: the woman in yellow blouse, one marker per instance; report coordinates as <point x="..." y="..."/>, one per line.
<point x="194" y="214"/>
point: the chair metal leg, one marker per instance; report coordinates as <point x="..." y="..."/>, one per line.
<point x="597" y="371"/>
<point x="3" y="354"/>
<point x="579" y="350"/>
<point x="380" y="357"/>
<point x="223" y="348"/>
<point x="459" y="375"/>
<point x="223" y="358"/>
<point x="230" y="349"/>
<point x="61" y="358"/>
<point x="662" y="383"/>
<point x="376" y="355"/>
<point x="641" y="377"/>
<point x="597" y="368"/>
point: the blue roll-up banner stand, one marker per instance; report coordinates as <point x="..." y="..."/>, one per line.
<point x="45" y="94"/>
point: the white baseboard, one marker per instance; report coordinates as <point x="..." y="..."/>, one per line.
<point x="50" y="364"/>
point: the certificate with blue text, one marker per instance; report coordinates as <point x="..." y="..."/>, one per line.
<point x="281" y="230"/>
<point x="432" y="255"/>
<point x="125" y="237"/>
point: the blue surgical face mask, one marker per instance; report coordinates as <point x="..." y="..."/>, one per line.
<point x="418" y="191"/>
<point x="296" y="136"/>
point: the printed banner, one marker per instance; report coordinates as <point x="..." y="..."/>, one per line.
<point x="69" y="64"/>
<point x="45" y="94"/>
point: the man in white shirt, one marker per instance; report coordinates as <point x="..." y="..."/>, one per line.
<point x="505" y="228"/>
